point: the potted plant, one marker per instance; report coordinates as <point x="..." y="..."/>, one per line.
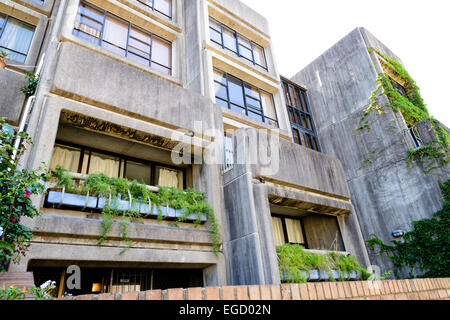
<point x="3" y="56"/>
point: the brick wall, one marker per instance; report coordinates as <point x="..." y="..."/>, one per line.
<point x="415" y="289"/>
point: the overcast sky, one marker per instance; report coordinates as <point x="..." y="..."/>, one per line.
<point x="417" y="31"/>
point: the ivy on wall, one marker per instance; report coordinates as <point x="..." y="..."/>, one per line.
<point x="413" y="109"/>
<point x="426" y="247"/>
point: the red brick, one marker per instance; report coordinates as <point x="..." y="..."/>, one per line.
<point x="265" y="293"/>
<point x="228" y="293"/>
<point x="388" y="297"/>
<point x="295" y="292"/>
<point x="312" y="291"/>
<point x="130" y="295"/>
<point x="442" y="293"/>
<point x="153" y="295"/>
<point x="334" y="290"/>
<point x="320" y="290"/>
<point x="175" y="294"/>
<point x="365" y="288"/>
<point x="106" y="296"/>
<point x="407" y="285"/>
<point x="85" y="297"/>
<point x="303" y="290"/>
<point x="341" y="290"/>
<point x="212" y="293"/>
<point x="401" y="296"/>
<point x="242" y="292"/>
<point x="253" y="293"/>
<point x="423" y="295"/>
<point x="353" y="289"/>
<point x="327" y="291"/>
<point x="276" y="292"/>
<point x="194" y="294"/>
<point x="286" y="292"/>
<point x="347" y="289"/>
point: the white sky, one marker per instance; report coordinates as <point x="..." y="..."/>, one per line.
<point x="417" y="31"/>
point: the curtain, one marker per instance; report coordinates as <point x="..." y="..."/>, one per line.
<point x="66" y="158"/>
<point x="115" y="34"/>
<point x="107" y="166"/>
<point x="17" y="36"/>
<point x="170" y="178"/>
<point x="294" y="231"/>
<point x="278" y="231"/>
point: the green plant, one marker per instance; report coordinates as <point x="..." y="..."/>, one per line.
<point x="16" y="187"/>
<point x="32" y="83"/>
<point x="38" y="293"/>
<point x="425" y="248"/>
<point x="294" y="260"/>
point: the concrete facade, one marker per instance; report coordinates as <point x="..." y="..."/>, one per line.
<point x="93" y="97"/>
<point x="387" y="195"/>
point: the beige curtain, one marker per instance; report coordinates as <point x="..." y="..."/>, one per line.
<point x="66" y="158"/>
<point x="169" y="178"/>
<point x="294" y="230"/>
<point x="107" y="166"/>
<point x="278" y="231"/>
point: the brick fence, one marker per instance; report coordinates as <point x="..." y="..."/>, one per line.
<point x="415" y="289"/>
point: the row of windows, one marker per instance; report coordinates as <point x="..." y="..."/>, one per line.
<point x="15" y="38"/>
<point x="300" y="117"/>
<point x="122" y="37"/>
<point x="162" y="6"/>
<point x="244" y="98"/>
<point x="89" y="161"/>
<point x="233" y="41"/>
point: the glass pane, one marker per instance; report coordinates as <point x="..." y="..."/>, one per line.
<point x="215" y="36"/>
<point x="88" y="13"/>
<point x="291" y="115"/>
<point x="252" y="91"/>
<point x="286" y="94"/>
<point x="16" y="38"/>
<point x="164" y="6"/>
<point x="255" y="116"/>
<point x="305" y="101"/>
<point x="161" y="52"/>
<point x="2" y="21"/>
<point x="235" y="91"/>
<point x="300" y="100"/>
<point x="253" y="103"/>
<point x="222" y="103"/>
<point x="314" y="142"/>
<point x="296" y="135"/>
<point x="214" y="25"/>
<point x="268" y="106"/>
<point x="292" y="95"/>
<point x="166" y="177"/>
<point x="107" y="165"/>
<point x="308" y="122"/>
<point x="258" y="53"/>
<point x="115" y="35"/>
<point x="221" y="91"/>
<point x="139" y="46"/>
<point x="294" y="231"/>
<point x="138" y="171"/>
<point x="65" y="157"/>
<point x="308" y="141"/>
<point x="237" y="109"/>
<point x="278" y="233"/>
<point x="220" y="76"/>
<point x="245" y="48"/>
<point x="229" y="39"/>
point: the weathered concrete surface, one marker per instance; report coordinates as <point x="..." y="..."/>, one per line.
<point x="11" y="98"/>
<point x="387" y="195"/>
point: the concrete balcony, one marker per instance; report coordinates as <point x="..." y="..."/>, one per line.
<point x="11" y="98"/>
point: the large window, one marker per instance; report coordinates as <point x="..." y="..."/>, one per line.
<point x="234" y="42"/>
<point x="244" y="98"/>
<point x="87" y="161"/>
<point x="15" y="38"/>
<point x="122" y="37"/>
<point x="300" y="116"/>
<point x="288" y="230"/>
<point x="161" y="6"/>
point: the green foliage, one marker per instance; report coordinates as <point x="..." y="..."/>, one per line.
<point x="426" y="247"/>
<point x="188" y="201"/>
<point x="15" y="293"/>
<point x="33" y="81"/>
<point x="413" y="110"/>
<point x="16" y="187"/>
<point x="3" y="55"/>
<point x="293" y="260"/>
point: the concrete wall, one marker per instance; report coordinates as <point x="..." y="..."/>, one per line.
<point x="387" y="195"/>
<point x="11" y="98"/>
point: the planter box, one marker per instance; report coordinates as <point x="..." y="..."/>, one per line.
<point x="72" y="200"/>
<point x="320" y="275"/>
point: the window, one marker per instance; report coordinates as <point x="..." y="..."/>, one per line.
<point x="161" y="6"/>
<point x="234" y="42"/>
<point x="123" y="38"/>
<point x="15" y="38"/>
<point x="39" y="1"/>
<point x="300" y="117"/>
<point x="89" y="161"/>
<point x="244" y="98"/>
<point x="288" y="230"/>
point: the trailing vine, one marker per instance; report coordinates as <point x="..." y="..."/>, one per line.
<point x="413" y="110"/>
<point x="190" y="202"/>
<point x="426" y="247"/>
<point x="33" y="81"/>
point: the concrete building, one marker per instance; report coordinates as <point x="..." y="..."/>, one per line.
<point x="122" y="84"/>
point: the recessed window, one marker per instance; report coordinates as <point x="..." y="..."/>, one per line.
<point x="300" y="117"/>
<point x="232" y="41"/>
<point x="244" y="98"/>
<point x="89" y="161"/>
<point x="122" y="37"/>
<point x="288" y="230"/>
<point x="39" y="1"/>
<point x="15" y="38"/>
<point x="162" y="6"/>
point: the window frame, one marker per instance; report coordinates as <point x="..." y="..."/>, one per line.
<point x="300" y="111"/>
<point x="285" y="233"/>
<point x="236" y="39"/>
<point x="122" y="158"/>
<point x="246" y="107"/>
<point x="2" y="30"/>
<point x="152" y="6"/>
<point x="130" y="25"/>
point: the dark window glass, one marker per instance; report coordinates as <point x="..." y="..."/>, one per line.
<point x="138" y="171"/>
